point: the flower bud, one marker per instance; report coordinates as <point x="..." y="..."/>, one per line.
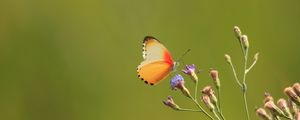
<point x="268" y="97"/>
<point x="177" y="82"/>
<point x="297" y="116"/>
<point x="227" y="58"/>
<point x="273" y="108"/>
<point x="256" y="56"/>
<point x="282" y="104"/>
<point x="237" y="32"/>
<point x="170" y="103"/>
<point x="244" y="41"/>
<point x="190" y="70"/>
<point x="207" y="102"/>
<point x="296" y="88"/>
<point x="263" y="114"/>
<point x="209" y="92"/>
<point x="292" y="106"/>
<point x="292" y="95"/>
<point x="215" y="76"/>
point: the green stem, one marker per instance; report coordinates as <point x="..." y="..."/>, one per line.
<point x="252" y="65"/>
<point x="287" y="117"/>
<point x="188" y="110"/>
<point x="244" y="84"/>
<point x="219" y="105"/>
<point x="246" y="106"/>
<point x="245" y="65"/>
<point x="277" y="117"/>
<point x="199" y="106"/>
<point x="216" y="115"/>
<point x="196" y="89"/>
<point x="235" y="75"/>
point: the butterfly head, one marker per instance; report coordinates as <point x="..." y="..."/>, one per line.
<point x="175" y="65"/>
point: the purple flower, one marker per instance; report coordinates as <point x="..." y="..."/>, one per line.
<point x="170" y="103"/>
<point x="177" y="82"/>
<point x="190" y="69"/>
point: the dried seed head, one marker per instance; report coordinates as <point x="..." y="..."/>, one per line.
<point x="207" y="90"/>
<point x="207" y="102"/>
<point x="210" y="92"/>
<point x="296" y="88"/>
<point x="273" y="108"/>
<point x="289" y="91"/>
<point x="268" y="97"/>
<point x="282" y="104"/>
<point x="292" y="106"/>
<point x="215" y="76"/>
<point x="263" y="114"/>
<point x="297" y="116"/>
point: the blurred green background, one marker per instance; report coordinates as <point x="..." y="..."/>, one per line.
<point x="76" y="60"/>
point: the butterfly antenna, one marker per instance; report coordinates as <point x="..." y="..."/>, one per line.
<point x="181" y="57"/>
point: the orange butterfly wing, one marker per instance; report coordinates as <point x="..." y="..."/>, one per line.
<point x="154" y="72"/>
<point x="157" y="62"/>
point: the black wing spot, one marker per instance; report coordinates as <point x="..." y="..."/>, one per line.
<point x="139" y="75"/>
<point x="151" y="84"/>
<point x="146" y="82"/>
<point x="142" y="78"/>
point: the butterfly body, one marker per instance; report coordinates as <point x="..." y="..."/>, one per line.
<point x="157" y="64"/>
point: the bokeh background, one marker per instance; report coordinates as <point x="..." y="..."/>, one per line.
<point x="76" y="60"/>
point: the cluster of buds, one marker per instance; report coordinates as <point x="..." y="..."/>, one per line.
<point x="284" y="108"/>
<point x="243" y="38"/>
<point x="177" y="83"/>
<point x="293" y="93"/>
<point x="274" y="109"/>
<point x="209" y="98"/>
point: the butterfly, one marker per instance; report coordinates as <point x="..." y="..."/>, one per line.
<point x="158" y="62"/>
